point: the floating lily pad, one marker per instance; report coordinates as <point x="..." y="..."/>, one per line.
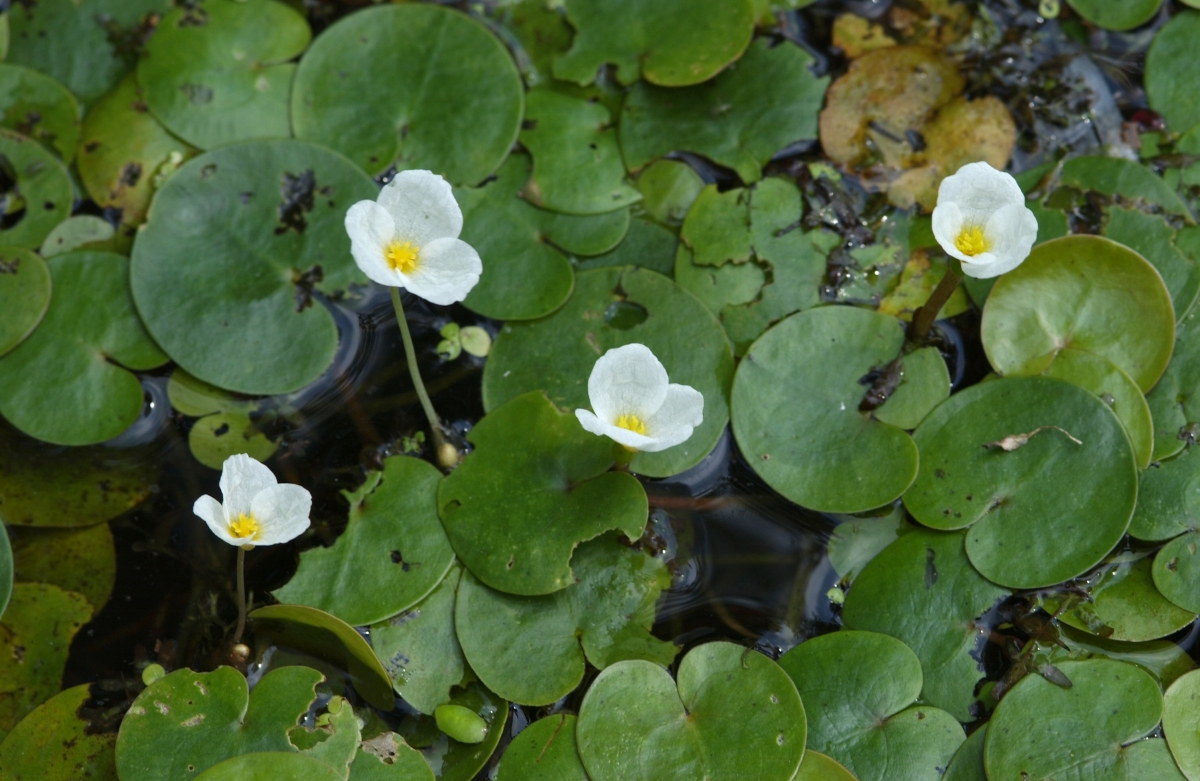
<point x="1150" y="758"/>
<point x="1164" y="660"/>
<point x="802" y="431"/>
<point x="1025" y="531"/>
<point x="674" y="43"/>
<point x="6" y="572"/>
<point x="43" y="194"/>
<point x="197" y="398"/>
<point x="186" y="722"/>
<point x="1116" y="16"/>
<point x="730" y="714"/>
<point x="24" y="295"/>
<point x="81" y="232"/>
<point x="1114" y="176"/>
<point x="1123" y="604"/>
<point x="923" y="590"/>
<point x="925" y="384"/>
<point x="1080" y="292"/>
<point x="718" y="287"/>
<point x="527" y="649"/>
<point x="717" y="227"/>
<point x="40" y="108"/>
<point x="419" y="647"/>
<point x="544" y="751"/>
<point x="82" y="560"/>
<point x="252" y="232"/>
<point x="332" y="640"/>
<point x="35" y="636"/>
<point x="856" y="540"/>
<point x="739" y="120"/>
<point x="646" y="245"/>
<point x="1177" y="572"/>
<point x="1173" y="401"/>
<point x="451" y="103"/>
<point x="858" y="690"/>
<point x="541" y="34"/>
<point x="214" y="438"/>
<point x="535" y="486"/>
<point x="1170" y="63"/>
<point x="1046" y="731"/>
<point x="556" y="354"/>
<point x="270" y="766"/>
<point x="125" y="154"/>
<point x="577" y="166"/>
<point x="967" y="764"/>
<point x="1154" y="239"/>
<point x="1181" y="723"/>
<point x="818" y="767"/>
<point x="217" y="72"/>
<point x="68" y="382"/>
<point x="459" y="761"/>
<point x="55" y="743"/>
<point x="88" y="45"/>
<point x="668" y="187"/>
<point x="391" y="555"/>
<point x="388" y="758"/>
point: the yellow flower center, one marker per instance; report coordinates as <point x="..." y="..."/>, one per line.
<point x="632" y="423"/>
<point x="401" y="256"/>
<point x="244" y="527"/>
<point x="971" y="241"/>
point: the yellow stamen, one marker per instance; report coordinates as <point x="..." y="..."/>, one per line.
<point x="244" y="527"/>
<point x="971" y="241"/>
<point x="401" y="256"/>
<point x="632" y="423"/>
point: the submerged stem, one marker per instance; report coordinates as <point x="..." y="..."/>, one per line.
<point x="923" y="318"/>
<point x="241" y="593"/>
<point x="410" y="354"/>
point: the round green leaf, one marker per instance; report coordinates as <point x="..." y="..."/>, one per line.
<point x="647" y="245"/>
<point x="81" y="232"/>
<point x="1170" y="63"/>
<point x="68" y="382"/>
<point x="37" y="106"/>
<point x="55" y="743"/>
<point x="818" y="767"/>
<point x="72" y="40"/>
<point x="82" y="560"/>
<point x="459" y="761"/>
<point x="24" y="295"/>
<point x="856" y="540"/>
<point x="668" y="187"/>
<point x="1177" y="572"/>
<point x="1125" y="605"/>
<point x="1027" y="530"/>
<point x="527" y="649"/>
<point x="214" y="438"/>
<point x="1124" y="15"/>
<point x="218" y="72"/>
<point x="1113" y="176"/>
<point x="1181" y="723"/>
<point x="186" y="722"/>
<point x="329" y="638"/>
<point x="1116" y="388"/>
<point x="35" y="636"/>
<point x="669" y="42"/>
<point x="577" y="167"/>
<point x="730" y="714"/>
<point x="717" y="227"/>
<point x="391" y="555"/>
<point x="556" y="354"/>
<point x="1150" y="758"/>
<point x="924" y="385"/>
<point x="858" y="690"/>
<point x="736" y="121"/>
<point x="1080" y="292"/>
<point x="125" y="154"/>
<point x="43" y="195"/>
<point x="1175" y="401"/>
<point x="802" y="431"/>
<point x="535" y="486"/>
<point x="239" y="241"/>
<point x="1164" y="660"/>
<point x="718" y="287"/>
<point x="451" y="102"/>
<point x="270" y="766"/>
<point x="922" y="590"/>
<point x="1154" y="239"/>
<point x="1041" y="730"/>
<point x="419" y="647"/>
<point x="388" y="758"/>
<point x="967" y="764"/>
<point x="544" y="751"/>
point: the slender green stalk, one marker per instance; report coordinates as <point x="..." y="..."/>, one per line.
<point x="411" y="354"/>
<point x="241" y="590"/>
<point x="622" y="456"/>
<point x="923" y="318"/>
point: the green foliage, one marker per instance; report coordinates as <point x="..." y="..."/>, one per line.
<point x="1173" y="401"/>
<point x="6" y="572"/>
<point x="1171" y="60"/>
<point x="37" y="106"/>
<point x="82" y="560"/>
<point x="387" y="757"/>
<point x="1179" y="723"/>
<point x="43" y="192"/>
<point x="270" y="766"/>
<point x="1177" y="573"/>
<point x="56" y="743"/>
<point x="459" y="761"/>
<point x="1122" y="603"/>
<point x="544" y="751"/>
<point x="24" y="294"/>
<point x="1116" y="16"/>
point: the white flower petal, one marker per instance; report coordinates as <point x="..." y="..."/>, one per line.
<point x="627" y="380"/>
<point x="979" y="190"/>
<point x="980" y="197"/>
<point x="681" y="412"/>
<point x="1012" y="231"/>
<point x="242" y="478"/>
<point x="210" y="511"/>
<point x="446" y="271"/>
<point x="423" y="207"/>
<point x="371" y="230"/>
<point x="281" y="512"/>
<point x="947" y="222"/>
<point x="621" y="436"/>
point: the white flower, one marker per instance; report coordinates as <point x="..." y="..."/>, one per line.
<point x="408" y="238"/>
<point x="258" y="509"/>
<point x="981" y="219"/>
<point x="635" y="406"/>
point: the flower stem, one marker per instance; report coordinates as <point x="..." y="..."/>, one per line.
<point x="410" y="353"/>
<point x="923" y="318"/>
<point x="241" y="593"/>
<point x="622" y="456"/>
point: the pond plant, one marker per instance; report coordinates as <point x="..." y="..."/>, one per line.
<point x="814" y="387"/>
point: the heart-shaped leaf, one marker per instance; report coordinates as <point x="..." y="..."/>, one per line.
<point x="544" y="751"/>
